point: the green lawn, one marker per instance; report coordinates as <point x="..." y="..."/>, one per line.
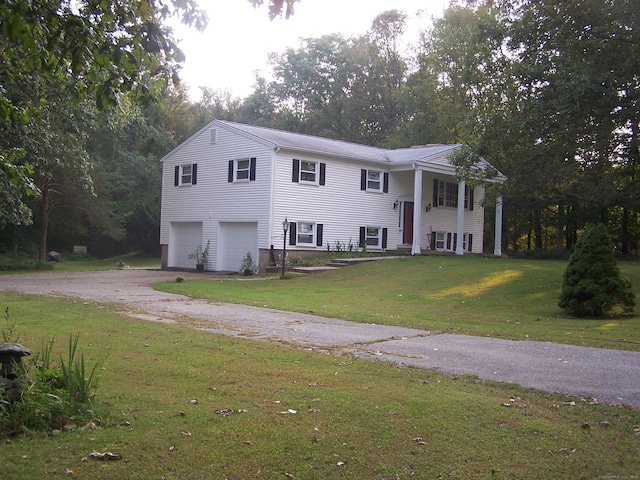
<point x="11" y="265"/>
<point x="190" y="405"/>
<point x="503" y="298"/>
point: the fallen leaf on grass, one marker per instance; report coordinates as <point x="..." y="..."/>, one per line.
<point x="105" y="456"/>
<point x="225" y="412"/>
<point x="419" y="441"/>
<point x="289" y="412"/>
<point x="186" y="434"/>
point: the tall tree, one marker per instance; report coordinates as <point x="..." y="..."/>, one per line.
<point x="100" y="48"/>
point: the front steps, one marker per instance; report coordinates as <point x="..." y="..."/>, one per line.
<point x="338" y="263"/>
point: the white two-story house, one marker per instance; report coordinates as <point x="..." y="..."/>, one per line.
<point x="232" y="186"/>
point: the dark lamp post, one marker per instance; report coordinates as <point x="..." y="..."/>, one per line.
<point x="285" y="229"/>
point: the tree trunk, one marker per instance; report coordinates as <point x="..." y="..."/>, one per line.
<point x="44" y="226"/>
<point x="559" y="229"/>
<point x="537" y="226"/>
<point x="625" y="231"/>
<point x="14" y="239"/>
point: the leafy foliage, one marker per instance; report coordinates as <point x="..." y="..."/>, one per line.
<point x="85" y="53"/>
<point x="51" y="394"/>
<point x="592" y="284"/>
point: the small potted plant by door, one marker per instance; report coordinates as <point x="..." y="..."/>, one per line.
<point x="200" y="255"/>
<point x="248" y="267"/>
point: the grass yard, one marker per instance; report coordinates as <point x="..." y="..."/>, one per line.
<point x="190" y="405"/>
<point x="495" y="297"/>
<point x="10" y="265"/>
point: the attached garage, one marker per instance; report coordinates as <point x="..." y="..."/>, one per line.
<point x="184" y="238"/>
<point x="235" y="239"/>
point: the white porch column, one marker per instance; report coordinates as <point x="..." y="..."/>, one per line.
<point x="417" y="211"/>
<point x="497" y="249"/>
<point x="460" y="230"/>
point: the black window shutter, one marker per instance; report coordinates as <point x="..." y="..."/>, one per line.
<point x="295" y="175"/>
<point x="384" y="237"/>
<point x="363" y="232"/>
<point x="176" y="176"/>
<point x="435" y="193"/>
<point x="230" y="174"/>
<point x="449" y="241"/>
<point x="319" y="228"/>
<point x="252" y="169"/>
<point x="471" y="199"/>
<point x="293" y="234"/>
<point x="323" y="173"/>
<point x="455" y="242"/>
<point x="194" y="174"/>
<point x="385" y="183"/>
<point x="469" y="242"/>
<point x="363" y="179"/>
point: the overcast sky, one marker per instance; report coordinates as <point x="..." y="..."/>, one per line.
<point x="239" y="37"/>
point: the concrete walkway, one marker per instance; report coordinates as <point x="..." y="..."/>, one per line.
<point x="611" y="376"/>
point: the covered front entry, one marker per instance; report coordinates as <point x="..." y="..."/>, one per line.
<point x="184" y="238"/>
<point x="235" y="239"/>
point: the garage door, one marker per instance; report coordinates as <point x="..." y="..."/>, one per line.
<point x="184" y="238"/>
<point x="236" y="239"/>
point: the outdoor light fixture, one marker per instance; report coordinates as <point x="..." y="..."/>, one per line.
<point x="285" y="229"/>
<point x="428" y="208"/>
<point x="395" y="204"/>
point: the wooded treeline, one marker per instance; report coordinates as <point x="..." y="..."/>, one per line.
<point x="546" y="90"/>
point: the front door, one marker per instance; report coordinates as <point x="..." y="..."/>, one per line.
<point x="407" y="223"/>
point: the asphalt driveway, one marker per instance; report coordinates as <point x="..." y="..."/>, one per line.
<point x="611" y="376"/>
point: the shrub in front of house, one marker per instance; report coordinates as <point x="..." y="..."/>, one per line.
<point x="592" y="285"/>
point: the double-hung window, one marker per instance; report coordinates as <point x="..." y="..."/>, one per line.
<point x="374" y="181"/>
<point x="185" y="174"/>
<point x="373" y="237"/>
<point x="308" y="172"/>
<point x="445" y="194"/>
<point x="451" y="195"/>
<point x="305" y="171"/>
<point x="305" y="234"/>
<point x="242" y="170"/>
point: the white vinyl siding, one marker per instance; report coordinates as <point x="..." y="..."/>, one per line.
<point x="214" y="199"/>
<point x="340" y="205"/>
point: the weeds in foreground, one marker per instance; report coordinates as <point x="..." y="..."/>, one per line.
<point x="44" y="395"/>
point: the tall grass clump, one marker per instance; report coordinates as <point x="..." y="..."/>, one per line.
<point x="52" y="394"/>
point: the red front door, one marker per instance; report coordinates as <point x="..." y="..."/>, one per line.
<point x="407" y="223"/>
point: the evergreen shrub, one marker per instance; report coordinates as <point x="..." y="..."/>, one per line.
<point x="592" y="284"/>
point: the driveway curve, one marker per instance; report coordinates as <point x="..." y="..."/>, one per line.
<point x="611" y="376"/>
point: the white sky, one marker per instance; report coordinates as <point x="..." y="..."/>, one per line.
<point x="239" y="37"/>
